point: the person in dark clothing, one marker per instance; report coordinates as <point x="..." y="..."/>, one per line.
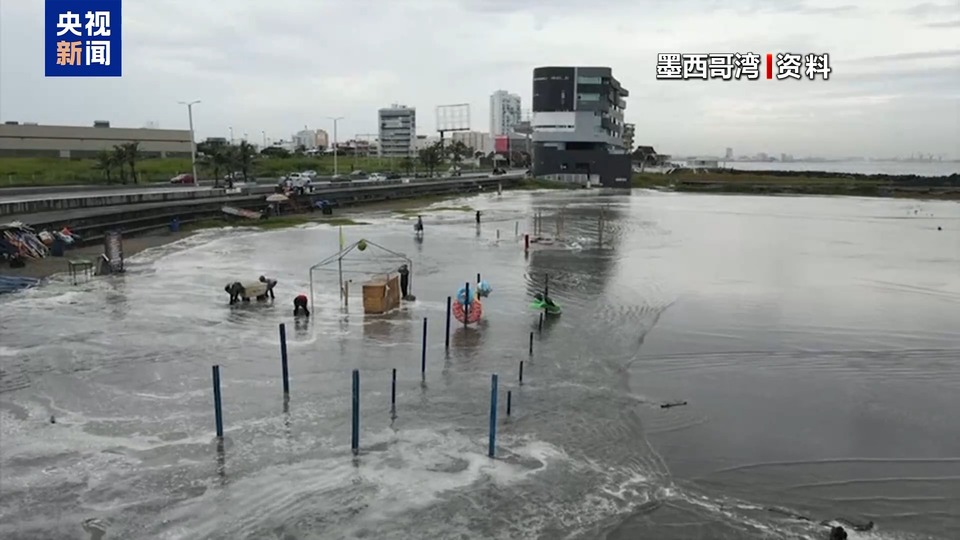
<point x="271" y="283"/>
<point x="300" y="306"/>
<point x="235" y="290"/>
<point x="838" y="533"/>
<point x="404" y="280"/>
<point x="478" y="217"/>
<point x="418" y="227"/>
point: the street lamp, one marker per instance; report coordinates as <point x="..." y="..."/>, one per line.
<point x="263" y="134"/>
<point x="231" y="135"/>
<point x="335" y="120"/>
<point x="193" y="139"/>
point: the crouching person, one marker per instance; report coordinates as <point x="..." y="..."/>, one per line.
<point x="300" y="306"/>
<point x="235" y="290"/>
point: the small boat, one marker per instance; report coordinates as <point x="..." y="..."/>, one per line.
<point x="548" y="306"/>
<point x="15" y="283"/>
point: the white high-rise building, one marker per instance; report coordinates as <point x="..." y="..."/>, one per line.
<point x="398" y="131"/>
<point x="504" y="112"/>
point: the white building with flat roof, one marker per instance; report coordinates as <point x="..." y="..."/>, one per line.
<point x="398" y="131"/>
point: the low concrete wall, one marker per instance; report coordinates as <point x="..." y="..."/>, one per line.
<point x="73" y="202"/>
<point x="123" y="216"/>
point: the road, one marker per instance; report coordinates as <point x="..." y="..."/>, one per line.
<point x="25" y="194"/>
<point x="32" y="193"/>
<point x="338" y="190"/>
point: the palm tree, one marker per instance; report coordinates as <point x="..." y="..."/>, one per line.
<point x="119" y="157"/>
<point x="216" y="157"/>
<point x="457" y="151"/>
<point x="431" y="157"/>
<point x="131" y="153"/>
<point x="106" y="162"/>
<point x="245" y="156"/>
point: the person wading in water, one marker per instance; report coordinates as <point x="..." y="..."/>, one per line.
<point x="404" y="280"/>
<point x="271" y="283"/>
<point x="300" y="306"/>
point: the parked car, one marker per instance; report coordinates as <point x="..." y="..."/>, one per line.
<point x="184" y="178"/>
<point x="393" y="176"/>
<point x="296" y="180"/>
<point x="377" y="177"/>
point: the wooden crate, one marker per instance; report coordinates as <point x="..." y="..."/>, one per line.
<point x="381" y="294"/>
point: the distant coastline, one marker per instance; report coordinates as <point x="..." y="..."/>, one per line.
<point x="772" y="182"/>
<point x="881" y="167"/>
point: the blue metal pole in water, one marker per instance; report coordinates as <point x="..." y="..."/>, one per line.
<point x="546" y="285"/>
<point x="355" y="438"/>
<point x="540" y="324"/>
<point x="423" y="352"/>
<point x="521" y="373"/>
<point x="217" y="409"/>
<point x="466" y="305"/>
<point x="509" y="401"/>
<point x="531" y="343"/>
<point x="447" y="342"/>
<point x="283" y="360"/>
<point x="492" y="449"/>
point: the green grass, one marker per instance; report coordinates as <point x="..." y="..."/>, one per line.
<point x="747" y="183"/>
<point x="278" y="222"/>
<point x="768" y="184"/>
<point x="56" y="171"/>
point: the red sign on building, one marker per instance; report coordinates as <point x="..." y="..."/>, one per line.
<point x="501" y="144"/>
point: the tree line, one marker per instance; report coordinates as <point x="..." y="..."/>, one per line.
<point x="221" y="157"/>
<point x="215" y="156"/>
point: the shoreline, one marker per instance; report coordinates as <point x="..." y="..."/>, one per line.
<point x="50" y="266"/>
<point x="803" y="183"/>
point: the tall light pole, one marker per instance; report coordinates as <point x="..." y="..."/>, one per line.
<point x="193" y="139"/>
<point x="231" y="135"/>
<point x="335" y="120"/>
<point x="263" y="134"/>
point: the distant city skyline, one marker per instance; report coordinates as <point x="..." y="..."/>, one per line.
<point x="885" y="97"/>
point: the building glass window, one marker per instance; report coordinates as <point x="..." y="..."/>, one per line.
<point x="588" y="80"/>
<point x="588" y="97"/>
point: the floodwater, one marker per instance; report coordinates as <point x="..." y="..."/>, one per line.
<point x="814" y="340"/>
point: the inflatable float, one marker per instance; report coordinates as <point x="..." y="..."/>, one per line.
<point x="474" y="312"/>
<point x="546" y="305"/>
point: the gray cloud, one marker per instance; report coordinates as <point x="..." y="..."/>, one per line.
<point x="945" y="24"/>
<point x="929" y="9"/>
<point x="911" y="56"/>
<point x="278" y="66"/>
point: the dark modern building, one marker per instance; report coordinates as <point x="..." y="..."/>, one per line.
<point x="578" y="126"/>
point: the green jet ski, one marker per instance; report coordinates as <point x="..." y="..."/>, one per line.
<point x="546" y="304"/>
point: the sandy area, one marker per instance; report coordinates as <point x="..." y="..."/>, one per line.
<point x="43" y="268"/>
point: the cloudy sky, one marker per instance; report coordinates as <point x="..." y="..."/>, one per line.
<point x="281" y="65"/>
